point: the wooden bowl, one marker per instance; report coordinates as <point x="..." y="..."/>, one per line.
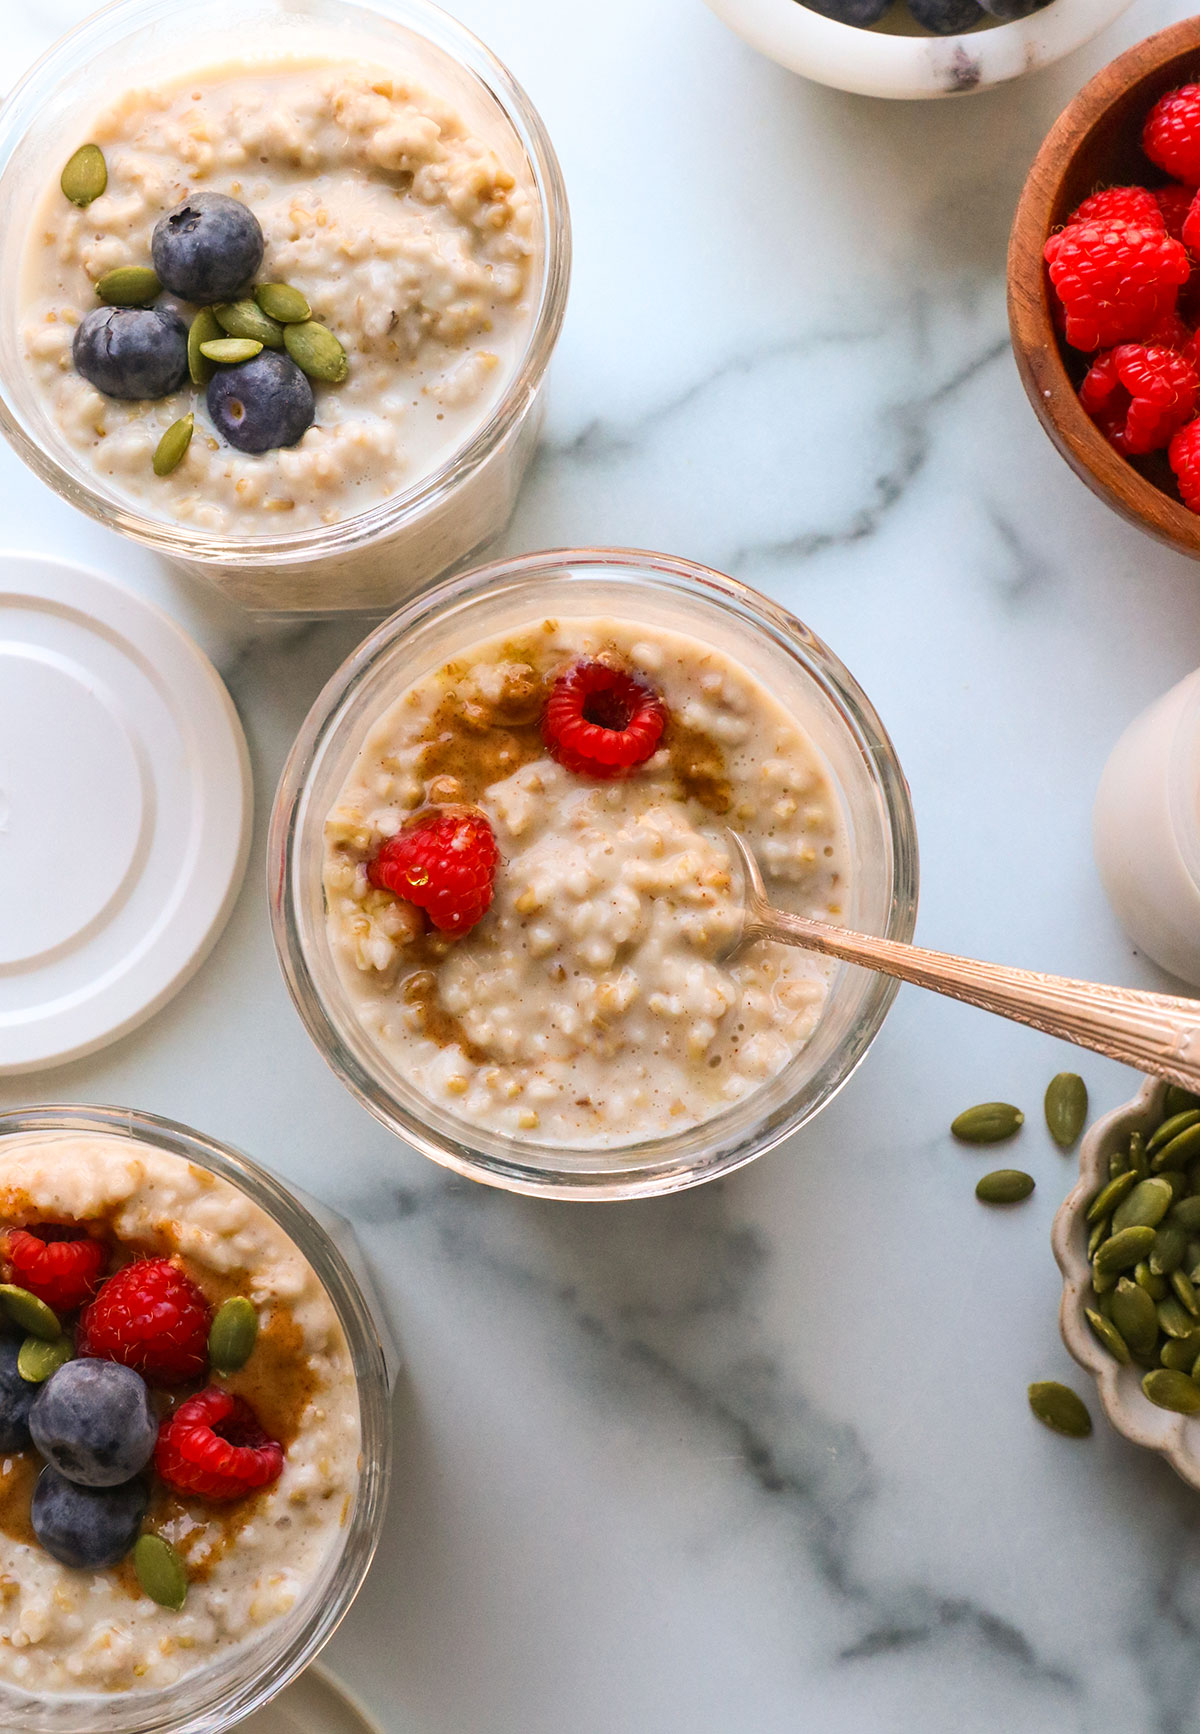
<point x="1095" y="143"/>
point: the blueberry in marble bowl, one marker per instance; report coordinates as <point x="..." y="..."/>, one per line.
<point x="916" y="48"/>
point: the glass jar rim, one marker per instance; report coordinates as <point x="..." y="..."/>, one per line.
<point x="252" y="1686"/>
<point x="466" y="1150"/>
<point x="326" y="541"/>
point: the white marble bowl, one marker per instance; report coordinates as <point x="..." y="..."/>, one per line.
<point x="1175" y="1437"/>
<point x="876" y="63"/>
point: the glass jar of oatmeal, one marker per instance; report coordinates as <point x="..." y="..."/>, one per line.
<point x="404" y="184"/>
<point x="526" y="1060"/>
<point x="84" y="1653"/>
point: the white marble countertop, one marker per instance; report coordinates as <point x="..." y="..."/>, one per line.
<point x="758" y="1458"/>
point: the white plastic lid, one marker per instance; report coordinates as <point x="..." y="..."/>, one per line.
<point x="125" y="808"/>
<point x="316" y="1703"/>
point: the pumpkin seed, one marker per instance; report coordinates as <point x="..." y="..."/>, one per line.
<point x="203" y="329"/>
<point x="1186" y="1214"/>
<point x="1185" y="1293"/>
<point x="1178" y="1181"/>
<point x="1168" y="1389"/>
<point x="1178" y="1353"/>
<point x="30" y="1313"/>
<point x="317" y="352"/>
<point x="1171" y="1128"/>
<point x="162" y="1573"/>
<point x="280" y="301"/>
<point x="233" y="1336"/>
<point x="1145" y="1206"/>
<point x="1109" y="1336"/>
<point x="1179" y="1151"/>
<point x="1108" y="1197"/>
<point x="85" y="176"/>
<point x="1066" y="1108"/>
<point x="1170" y="1245"/>
<point x="1155" y="1286"/>
<point x="1099" y="1234"/>
<point x="1134" y="1315"/>
<point x="1138" y="1160"/>
<point x="38" y="1360"/>
<point x="128" y="286"/>
<point x="1004" y="1186"/>
<point x="247" y="319"/>
<point x="1124" y="1250"/>
<point x="1060" y="1408"/>
<point x="172" y="447"/>
<point x="1118" y="1163"/>
<point x="1103" y="1280"/>
<point x="1177" y="1100"/>
<point x="230" y="350"/>
<point x="1175" y="1319"/>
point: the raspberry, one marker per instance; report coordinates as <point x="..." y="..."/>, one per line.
<point x="150" y="1316"/>
<point x="65" y="1273"/>
<point x="1171" y="136"/>
<point x="601" y="722"/>
<point x="1174" y="203"/>
<point x="1184" y="458"/>
<point x="214" y="1446"/>
<point x="1140" y="396"/>
<point x="444" y="862"/>
<point x="1171" y="332"/>
<point x="1121" y="204"/>
<point x="1115" y="282"/>
<point x="1191" y="227"/>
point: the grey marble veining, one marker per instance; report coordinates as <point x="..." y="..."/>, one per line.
<point x="756" y="1459"/>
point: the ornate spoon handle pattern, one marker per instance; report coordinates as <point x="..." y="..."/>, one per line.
<point x="1155" y="1032"/>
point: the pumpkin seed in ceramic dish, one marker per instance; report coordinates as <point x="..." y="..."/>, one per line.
<point x="1177" y="1100"/>
<point x="247" y="319"/>
<point x="172" y="447"/>
<point x="316" y="351"/>
<point x="1004" y="1186"/>
<point x="1170" y="1245"/>
<point x="1178" y="1353"/>
<point x="1138" y="1160"/>
<point x="1145" y="1206"/>
<point x="1171" y="1128"/>
<point x="161" y="1572"/>
<point x="1178" y="1181"/>
<point x="1108" y="1197"/>
<point x="1182" y="1149"/>
<point x="228" y="351"/>
<point x="1186" y="1215"/>
<point x="1174" y="1319"/>
<point x="85" y="176"/>
<point x="1156" y="1287"/>
<point x="1134" y="1315"/>
<point x="29" y="1313"/>
<point x="203" y="329"/>
<point x="1107" y="1334"/>
<point x="1124" y="1251"/>
<point x="1066" y="1108"/>
<point x="1099" y="1234"/>
<point x="1185" y="1293"/>
<point x="1061" y="1409"/>
<point x="280" y="301"/>
<point x="233" y="1336"/>
<point x="1168" y="1389"/>
<point x="38" y="1360"/>
<point x="129" y="286"/>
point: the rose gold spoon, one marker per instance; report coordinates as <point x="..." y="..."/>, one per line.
<point x="1155" y="1032"/>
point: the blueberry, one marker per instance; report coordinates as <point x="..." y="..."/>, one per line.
<point x="94" y="1423"/>
<point x="87" y="1527"/>
<point x="16" y="1399"/>
<point x="946" y="17"/>
<point x="858" y="12"/>
<point x="207" y="248"/>
<point x="1007" y="10"/>
<point x="132" y="351"/>
<point x="262" y="403"/>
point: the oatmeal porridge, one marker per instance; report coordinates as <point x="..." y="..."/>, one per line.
<point x="571" y="982"/>
<point x="179" y="1466"/>
<point x="406" y="240"/>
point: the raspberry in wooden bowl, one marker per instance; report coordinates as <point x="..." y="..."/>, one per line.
<point x="1104" y="297"/>
<point x="193" y="1421"/>
<point x="504" y="895"/>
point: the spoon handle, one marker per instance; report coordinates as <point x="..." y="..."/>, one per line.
<point x="1156" y="1032"/>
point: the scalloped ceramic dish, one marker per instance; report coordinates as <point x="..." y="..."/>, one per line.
<point x="877" y="63"/>
<point x="1175" y="1437"/>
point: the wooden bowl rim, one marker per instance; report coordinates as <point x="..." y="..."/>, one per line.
<point x="1035" y="341"/>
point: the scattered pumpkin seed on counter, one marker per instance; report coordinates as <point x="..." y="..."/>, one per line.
<point x="1004" y="1186"/>
<point x="1061" y="1409"/>
<point x="987" y="1123"/>
<point x="1066" y="1108"/>
<point x="1144" y="1252"/>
